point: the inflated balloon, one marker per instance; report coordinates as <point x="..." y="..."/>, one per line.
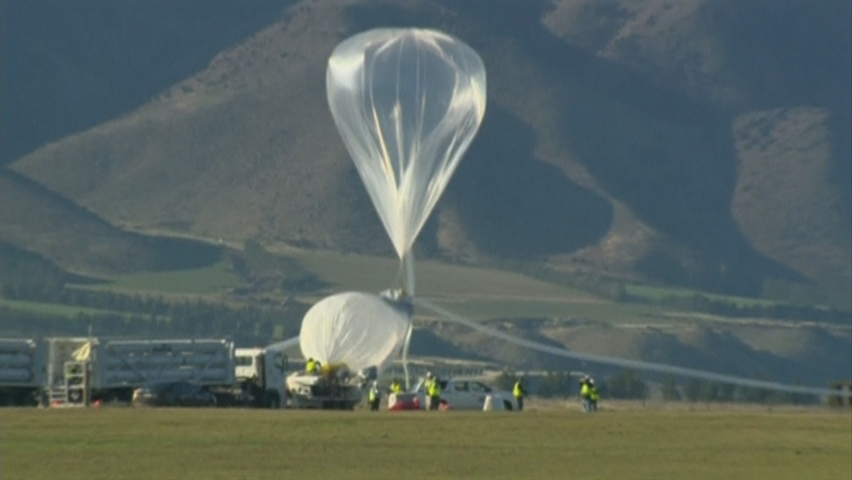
<point x="407" y="103"/>
<point x="355" y="329"/>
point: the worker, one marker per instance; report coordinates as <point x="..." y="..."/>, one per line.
<point x="374" y="397"/>
<point x="519" y="393"/>
<point x="594" y="395"/>
<point x="434" y="393"/>
<point x="395" y="386"/>
<point x="312" y="367"/>
<point x="586" y="393"/>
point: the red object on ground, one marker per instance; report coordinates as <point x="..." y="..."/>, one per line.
<point x="413" y="404"/>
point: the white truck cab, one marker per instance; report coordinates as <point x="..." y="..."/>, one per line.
<point x="262" y="372"/>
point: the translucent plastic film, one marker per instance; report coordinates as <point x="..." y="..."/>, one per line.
<point x="407" y="103"/>
<point x="357" y="329"/>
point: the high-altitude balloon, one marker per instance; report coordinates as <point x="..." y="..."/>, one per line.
<point x="359" y="330"/>
<point x="407" y="103"/>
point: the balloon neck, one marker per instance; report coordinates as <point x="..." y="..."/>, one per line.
<point x="399" y="299"/>
<point x="395" y="294"/>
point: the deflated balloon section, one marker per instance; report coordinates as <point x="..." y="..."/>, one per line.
<point x="358" y="330"/>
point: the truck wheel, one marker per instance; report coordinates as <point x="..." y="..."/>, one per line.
<point x="507" y="405"/>
<point x="272" y="401"/>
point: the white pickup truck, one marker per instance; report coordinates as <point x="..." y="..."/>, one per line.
<point x="458" y="393"/>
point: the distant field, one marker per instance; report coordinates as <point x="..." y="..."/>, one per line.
<point x="69" y="311"/>
<point x="604" y="311"/>
<point x="199" y="281"/>
<point x="369" y="273"/>
<point x="477" y="293"/>
<point x="474" y="292"/>
<point x="126" y="443"/>
<point x="659" y="293"/>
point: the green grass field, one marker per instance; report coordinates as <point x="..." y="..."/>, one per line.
<point x="199" y="281"/>
<point x="127" y="443"/>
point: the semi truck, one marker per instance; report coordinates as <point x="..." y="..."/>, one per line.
<point x="261" y="375"/>
<point x="85" y="370"/>
<point x="22" y="371"/>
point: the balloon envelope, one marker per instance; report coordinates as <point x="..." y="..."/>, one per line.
<point x="357" y="329"/>
<point x="407" y="103"/>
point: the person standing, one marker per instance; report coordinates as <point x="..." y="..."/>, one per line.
<point x="396" y="386"/>
<point x="434" y="393"/>
<point x="374" y="397"/>
<point x="519" y="393"/>
<point x="311" y="366"/>
<point x="586" y="393"/>
<point x="427" y="384"/>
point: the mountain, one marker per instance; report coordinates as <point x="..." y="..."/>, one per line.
<point x="704" y="144"/>
<point x="68" y="66"/>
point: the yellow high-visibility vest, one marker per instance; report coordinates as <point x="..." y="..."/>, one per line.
<point x="434" y="389"/>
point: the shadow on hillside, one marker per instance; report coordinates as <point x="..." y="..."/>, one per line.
<point x="841" y="173"/>
<point x="520" y="206"/>
<point x="672" y="162"/>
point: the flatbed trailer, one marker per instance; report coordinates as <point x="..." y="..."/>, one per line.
<point x="22" y="371"/>
<point x="83" y="370"/>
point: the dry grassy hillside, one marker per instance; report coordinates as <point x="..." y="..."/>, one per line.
<point x="632" y="138"/>
<point x="77" y="239"/>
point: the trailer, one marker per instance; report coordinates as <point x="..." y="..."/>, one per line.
<point x="84" y="370"/>
<point x="22" y="371"/>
